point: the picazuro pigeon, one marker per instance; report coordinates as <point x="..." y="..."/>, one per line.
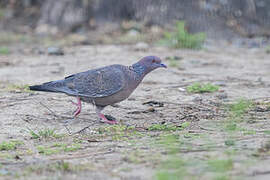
<point x="103" y="86"/>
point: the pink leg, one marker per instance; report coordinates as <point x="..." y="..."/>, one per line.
<point x="100" y="115"/>
<point x="79" y="107"/>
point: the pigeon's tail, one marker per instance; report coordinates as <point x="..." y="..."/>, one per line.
<point x="53" y="86"/>
<point x="41" y="88"/>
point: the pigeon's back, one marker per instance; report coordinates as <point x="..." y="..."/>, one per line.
<point x="100" y="82"/>
<point x="94" y="83"/>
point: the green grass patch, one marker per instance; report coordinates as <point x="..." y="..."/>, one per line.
<point x="249" y="132"/>
<point x="170" y="142"/>
<point x="180" y="38"/>
<point x="55" y="167"/>
<point x="202" y="88"/>
<point x="166" y="127"/>
<point x="10" y="145"/>
<point x="4" y="51"/>
<point x="57" y="148"/>
<point x="267" y="132"/>
<point x="221" y="177"/>
<point x="235" y="126"/>
<point x="5" y="155"/>
<point x="229" y="142"/>
<point x="119" y="132"/>
<point x="2" y="12"/>
<point x="173" y="163"/>
<point x="114" y="129"/>
<point x="172" y="168"/>
<point x="267" y="50"/>
<point x="63" y="166"/>
<point x="231" y="126"/>
<point x="44" y="134"/>
<point x="239" y="108"/>
<point x="191" y="135"/>
<point x="57" y="144"/>
<point x="236" y="113"/>
<point x="47" y="150"/>
<point x="220" y="165"/>
<point x="59" y="166"/>
<point x="170" y="175"/>
<point x="17" y="88"/>
<point x="72" y="147"/>
<point x="176" y="164"/>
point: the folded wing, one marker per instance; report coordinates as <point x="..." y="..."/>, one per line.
<point x="100" y="82"/>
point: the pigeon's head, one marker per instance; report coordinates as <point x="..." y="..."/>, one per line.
<point x="151" y="62"/>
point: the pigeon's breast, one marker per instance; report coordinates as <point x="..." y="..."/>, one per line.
<point x="130" y="85"/>
<point x="115" y="98"/>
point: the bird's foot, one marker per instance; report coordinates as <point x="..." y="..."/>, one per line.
<point x="79" y="107"/>
<point x="78" y="110"/>
<point x="105" y="120"/>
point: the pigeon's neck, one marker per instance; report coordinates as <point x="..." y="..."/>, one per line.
<point x="139" y="69"/>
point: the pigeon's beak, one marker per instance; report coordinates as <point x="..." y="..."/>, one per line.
<point x="163" y="65"/>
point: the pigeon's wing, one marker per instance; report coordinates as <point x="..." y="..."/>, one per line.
<point x="100" y="82"/>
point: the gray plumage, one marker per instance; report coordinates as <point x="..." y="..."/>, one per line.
<point x="103" y="86"/>
<point x="114" y="83"/>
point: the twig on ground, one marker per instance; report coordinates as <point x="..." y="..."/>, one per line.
<point x="54" y="114"/>
<point x="77" y="156"/>
<point x="254" y="99"/>
<point x="256" y="173"/>
<point x="69" y="132"/>
<point x="120" y="106"/>
<point x="81" y="130"/>
<point x="206" y="129"/>
<point x="51" y="111"/>
<point x="196" y="150"/>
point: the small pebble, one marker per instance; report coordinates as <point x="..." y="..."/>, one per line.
<point x="197" y="99"/>
<point x="181" y="89"/>
<point x="55" y="51"/>
<point x="131" y="99"/>
<point x="220" y="83"/>
<point x="222" y="96"/>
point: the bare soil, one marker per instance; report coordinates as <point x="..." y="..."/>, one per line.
<point x="137" y="153"/>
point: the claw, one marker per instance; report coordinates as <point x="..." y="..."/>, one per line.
<point x="79" y="107"/>
<point x="102" y="117"/>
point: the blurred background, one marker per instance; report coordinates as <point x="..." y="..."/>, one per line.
<point x="129" y="21"/>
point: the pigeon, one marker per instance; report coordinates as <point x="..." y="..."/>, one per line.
<point x="103" y="86"/>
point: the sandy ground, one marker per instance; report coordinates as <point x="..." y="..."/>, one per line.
<point x="136" y="154"/>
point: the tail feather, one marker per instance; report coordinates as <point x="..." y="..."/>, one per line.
<point x="53" y="86"/>
<point x="41" y="88"/>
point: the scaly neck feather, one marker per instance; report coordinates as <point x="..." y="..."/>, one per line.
<point x="139" y="69"/>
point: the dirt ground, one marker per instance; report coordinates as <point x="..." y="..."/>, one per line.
<point x="183" y="136"/>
